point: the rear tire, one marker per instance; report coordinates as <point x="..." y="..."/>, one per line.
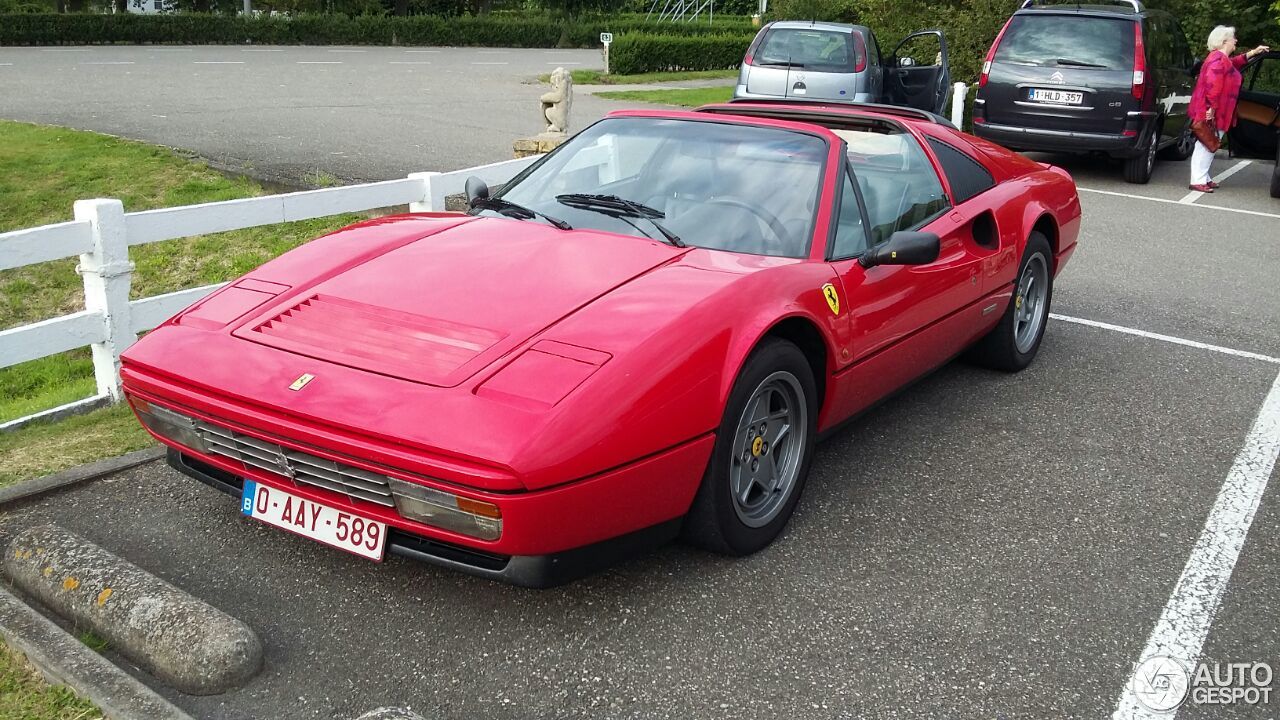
<point x="754" y="479"/>
<point x="1137" y="169"/>
<point x="1013" y="343"/>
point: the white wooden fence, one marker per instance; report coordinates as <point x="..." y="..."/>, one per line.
<point x="102" y="233"/>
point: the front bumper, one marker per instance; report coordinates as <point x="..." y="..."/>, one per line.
<point x="1130" y="142"/>
<point x="548" y="535"/>
<point x="534" y="571"/>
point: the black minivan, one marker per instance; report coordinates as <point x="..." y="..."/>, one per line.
<point x="1111" y="78"/>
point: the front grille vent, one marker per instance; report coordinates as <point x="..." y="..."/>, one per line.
<point x="298" y="466"/>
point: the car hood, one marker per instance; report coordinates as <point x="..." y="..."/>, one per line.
<point x="438" y="309"/>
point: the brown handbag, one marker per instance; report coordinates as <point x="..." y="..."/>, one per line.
<point x="1207" y="133"/>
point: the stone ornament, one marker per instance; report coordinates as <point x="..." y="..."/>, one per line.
<point x="556" y="102"/>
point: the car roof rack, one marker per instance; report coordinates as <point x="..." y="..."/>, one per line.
<point x="896" y="110"/>
<point x="1137" y="6"/>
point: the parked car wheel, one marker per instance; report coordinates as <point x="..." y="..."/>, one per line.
<point x="1181" y="150"/>
<point x="1013" y="344"/>
<point x="1137" y="169"/>
<point x="762" y="454"/>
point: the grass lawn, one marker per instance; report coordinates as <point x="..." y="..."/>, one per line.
<point x="43" y="170"/>
<point x="598" y="77"/>
<point x="24" y="695"/>
<point x="691" y="97"/>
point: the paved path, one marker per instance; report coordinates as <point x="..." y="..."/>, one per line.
<point x="365" y="113"/>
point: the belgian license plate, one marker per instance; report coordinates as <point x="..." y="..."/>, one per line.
<point x="1057" y="97"/>
<point x="355" y="534"/>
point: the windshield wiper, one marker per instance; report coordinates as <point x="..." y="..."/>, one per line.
<point x="520" y="212"/>
<point x="620" y="208"/>
<point x="1078" y="63"/>
<point x="781" y="63"/>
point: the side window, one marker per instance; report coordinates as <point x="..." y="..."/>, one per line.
<point x="851" y="234"/>
<point x="1156" y="42"/>
<point x="1182" y="51"/>
<point x="1264" y="76"/>
<point x="899" y="186"/>
<point x="967" y="176"/>
<point x="873" y="48"/>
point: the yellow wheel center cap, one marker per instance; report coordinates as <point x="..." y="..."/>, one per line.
<point x="1017" y="302"/>
<point x="755" y="446"/>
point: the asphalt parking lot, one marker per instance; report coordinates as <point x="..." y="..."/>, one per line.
<point x="982" y="546"/>
<point x="292" y="113"/>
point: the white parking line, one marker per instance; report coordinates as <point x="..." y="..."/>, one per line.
<point x="1166" y="338"/>
<point x="6" y="64"/>
<point x="1177" y="202"/>
<point x="490" y="63"/>
<point x="1195" y="195"/>
<point x="217" y="62"/>
<point x="1183" y="626"/>
<point x="110" y="62"/>
<point x="319" y="62"/>
<point x="409" y="62"/>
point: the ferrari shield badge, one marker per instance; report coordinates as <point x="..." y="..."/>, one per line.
<point x="302" y="381"/>
<point x="833" y="299"/>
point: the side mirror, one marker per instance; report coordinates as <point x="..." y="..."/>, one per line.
<point x="906" y="62"/>
<point x="903" y="248"/>
<point x="477" y="191"/>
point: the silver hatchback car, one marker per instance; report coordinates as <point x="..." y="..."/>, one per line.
<point x="834" y="61"/>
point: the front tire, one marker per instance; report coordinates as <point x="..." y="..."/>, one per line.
<point x="761" y="459"/>
<point x="1275" y="177"/>
<point x="1013" y="344"/>
<point x="1181" y="150"/>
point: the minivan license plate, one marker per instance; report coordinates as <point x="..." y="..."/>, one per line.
<point x="1057" y="97"/>
<point x="308" y="518"/>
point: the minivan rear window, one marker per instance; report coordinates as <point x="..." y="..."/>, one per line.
<point x="1068" y="41"/>
<point x="810" y="48"/>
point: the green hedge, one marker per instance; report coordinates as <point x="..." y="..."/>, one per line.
<point x="642" y="52"/>
<point x="199" y="29"/>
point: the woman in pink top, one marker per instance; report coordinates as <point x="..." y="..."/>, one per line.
<point x="1215" y="95"/>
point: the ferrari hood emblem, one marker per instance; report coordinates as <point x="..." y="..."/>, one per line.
<point x="302" y="381"/>
<point x="833" y="299"/>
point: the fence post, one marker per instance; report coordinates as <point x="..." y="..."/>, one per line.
<point x="957" y="104"/>
<point x="432" y="197"/>
<point x="107" y="273"/>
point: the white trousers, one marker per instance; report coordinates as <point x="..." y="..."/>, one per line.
<point x="1201" y="159"/>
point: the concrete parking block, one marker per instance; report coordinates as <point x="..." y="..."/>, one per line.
<point x="185" y="642"/>
<point x="63" y="660"/>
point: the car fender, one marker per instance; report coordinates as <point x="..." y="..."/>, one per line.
<point x="677" y="339"/>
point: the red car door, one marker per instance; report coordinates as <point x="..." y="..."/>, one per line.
<point x="899" y="321"/>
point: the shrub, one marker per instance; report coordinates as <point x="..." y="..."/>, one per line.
<point x="641" y="52"/>
<point x="540" y="30"/>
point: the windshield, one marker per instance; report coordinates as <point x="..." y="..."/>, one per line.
<point x="1068" y="41"/>
<point x="714" y="185"/>
<point x="811" y="49"/>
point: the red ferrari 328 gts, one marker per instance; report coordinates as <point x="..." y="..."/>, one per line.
<point x="642" y="335"/>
